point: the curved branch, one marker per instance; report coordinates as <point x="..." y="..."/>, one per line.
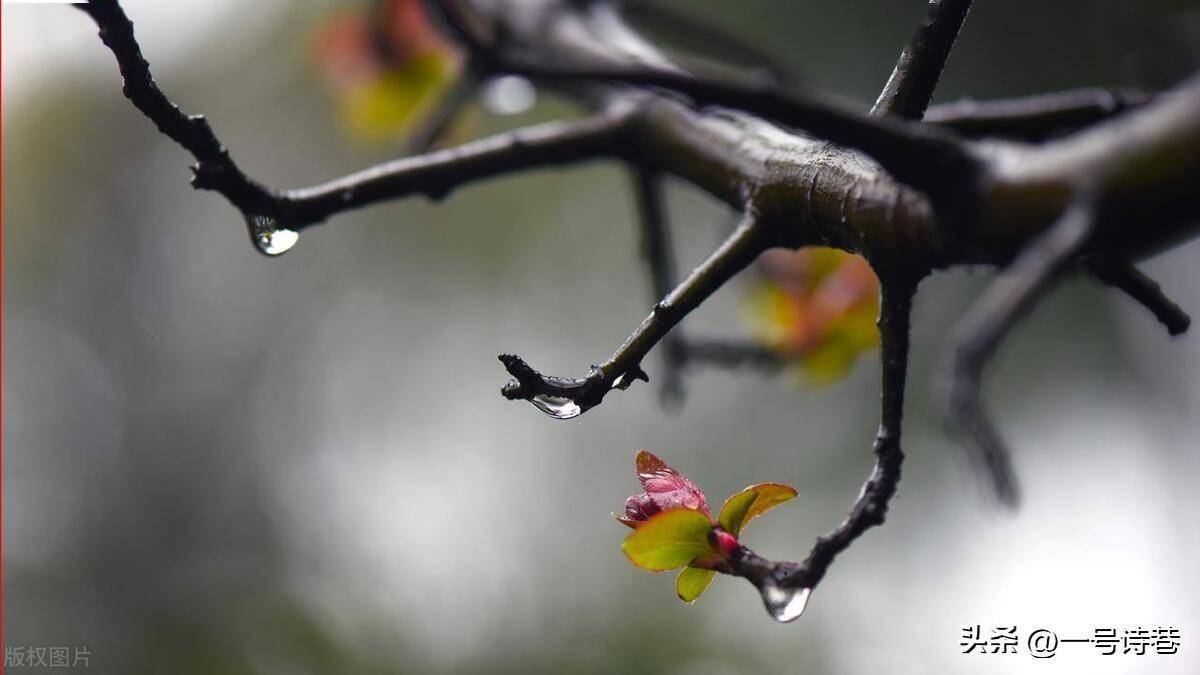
<point x="910" y="88"/>
<point x="1013" y="294"/>
<point x="785" y="585"/>
<point x="214" y="168"/>
<point x="1035" y="118"/>
<point x="434" y="174"/>
<point x="565" y="398"/>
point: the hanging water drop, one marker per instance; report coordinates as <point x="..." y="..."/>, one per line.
<point x="278" y="242"/>
<point x="557" y="407"/>
<point x="785" y="604"/>
<point x="269" y="237"/>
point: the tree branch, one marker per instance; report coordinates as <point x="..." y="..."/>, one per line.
<point x="910" y="88"/>
<point x="268" y="211"/>
<point x="928" y="158"/>
<point x="565" y="398"/>
<point x="797" y="190"/>
<point x="785" y="585"/>
<point x="1035" y="118"/>
<point x="436" y="173"/>
<point x="1141" y="288"/>
<point x="1012" y="295"/>
<point x="214" y="169"/>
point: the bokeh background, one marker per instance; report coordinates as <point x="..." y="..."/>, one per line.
<point x="220" y="463"/>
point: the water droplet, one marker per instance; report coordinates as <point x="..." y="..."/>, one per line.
<point x="556" y="406"/>
<point x="785" y="604"/>
<point x="269" y="237"/>
<point x="509" y="95"/>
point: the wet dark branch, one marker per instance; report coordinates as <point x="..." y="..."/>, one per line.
<point x="439" y="172"/>
<point x="1012" y="295"/>
<point x="910" y="88"/>
<point x="780" y="582"/>
<point x="214" y="169"/>
<point x="571" y="397"/>
<point x="933" y="160"/>
<point x="1035" y="118"/>
<point x="432" y="174"/>
<point x="870" y="509"/>
<point x="660" y="263"/>
<point x="1146" y="291"/>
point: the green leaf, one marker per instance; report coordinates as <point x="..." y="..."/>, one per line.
<point x="668" y="540"/>
<point x="691" y="582"/>
<point x="755" y="500"/>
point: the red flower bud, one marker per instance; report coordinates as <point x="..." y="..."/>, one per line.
<point x="724" y="542"/>
<point x="665" y="488"/>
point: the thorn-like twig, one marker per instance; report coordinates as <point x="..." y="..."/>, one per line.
<point x="572" y="397"/>
<point x="1035" y="118"/>
<point x="1146" y="291"/>
<point x="1013" y="294"/>
<point x="910" y="88"/>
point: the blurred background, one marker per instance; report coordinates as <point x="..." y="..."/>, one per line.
<point x="216" y="462"/>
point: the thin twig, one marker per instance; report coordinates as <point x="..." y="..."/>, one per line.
<point x="1146" y="291"/>
<point x="910" y="88"/>
<point x="1012" y="295"/>
<point x="578" y="395"/>
<point x="432" y="174"/>
<point x="871" y="506"/>
<point x="214" y="169"/>
<point x="1035" y="118"/>
<point x="438" y="172"/>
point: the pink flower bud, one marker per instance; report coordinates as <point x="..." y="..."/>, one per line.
<point x="665" y="488"/>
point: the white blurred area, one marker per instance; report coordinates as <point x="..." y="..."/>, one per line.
<point x="190" y="427"/>
<point x="41" y="40"/>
